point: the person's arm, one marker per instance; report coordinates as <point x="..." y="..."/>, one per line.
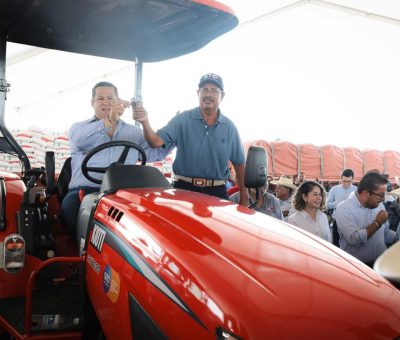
<point x="348" y="226"/>
<point x="331" y="201"/>
<point x="278" y="209"/>
<point x="140" y="115"/>
<point x="380" y="219"/>
<point x="155" y="154"/>
<point x="352" y="233"/>
<point x="244" y="196"/>
<point x="327" y="228"/>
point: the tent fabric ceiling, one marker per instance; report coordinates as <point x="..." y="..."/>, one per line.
<point x="23" y="59"/>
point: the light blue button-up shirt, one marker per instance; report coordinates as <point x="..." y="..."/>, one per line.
<point x="338" y="194"/>
<point x="86" y="135"/>
<point x="203" y="151"/>
<point x="352" y="218"/>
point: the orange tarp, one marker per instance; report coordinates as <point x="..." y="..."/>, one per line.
<point x="310" y="161"/>
<point x="373" y="159"/>
<point x="332" y="162"/>
<point x="284" y="158"/>
<point x="326" y="162"/>
<point x="392" y="164"/>
<point x="354" y="159"/>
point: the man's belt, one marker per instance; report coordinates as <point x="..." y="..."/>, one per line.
<point x="201" y="182"/>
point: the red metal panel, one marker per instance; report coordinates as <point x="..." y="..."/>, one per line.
<point x="285" y="158"/>
<point x="332" y="162"/>
<point x="354" y="159"/>
<point x="392" y="164"/>
<point x="373" y="159"/>
<point x="310" y="161"/>
<point x="190" y="242"/>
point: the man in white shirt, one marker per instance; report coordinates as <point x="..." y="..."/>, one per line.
<point x="362" y="220"/>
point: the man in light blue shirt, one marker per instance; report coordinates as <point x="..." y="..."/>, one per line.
<point x="104" y="126"/>
<point x="340" y="192"/>
<point x="337" y="194"/>
<point x="205" y="140"/>
<point x="362" y="220"/>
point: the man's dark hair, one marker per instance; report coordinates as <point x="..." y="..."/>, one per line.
<point x="370" y="182"/>
<point x="348" y="173"/>
<point x="104" y="84"/>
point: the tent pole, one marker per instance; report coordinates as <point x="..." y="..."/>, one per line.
<point x="138" y="83"/>
<point x="355" y="11"/>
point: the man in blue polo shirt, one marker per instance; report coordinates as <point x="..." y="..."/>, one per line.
<point x="205" y="140"/>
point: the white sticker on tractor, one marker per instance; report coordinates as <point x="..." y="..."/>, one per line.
<point x="98" y="237"/>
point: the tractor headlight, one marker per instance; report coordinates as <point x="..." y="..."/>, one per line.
<point x="14" y="253"/>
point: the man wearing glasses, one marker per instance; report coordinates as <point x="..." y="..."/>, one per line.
<point x="362" y="220"/>
<point x="205" y="140"/>
<point x="340" y="192"/>
<point x="337" y="194"/>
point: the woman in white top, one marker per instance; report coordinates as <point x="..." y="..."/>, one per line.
<point x="309" y="201"/>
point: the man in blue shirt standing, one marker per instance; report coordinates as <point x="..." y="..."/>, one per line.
<point x="337" y="194"/>
<point x="205" y="139"/>
<point x="104" y="126"/>
<point x="340" y="192"/>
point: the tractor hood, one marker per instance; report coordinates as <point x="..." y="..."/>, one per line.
<point x="273" y="274"/>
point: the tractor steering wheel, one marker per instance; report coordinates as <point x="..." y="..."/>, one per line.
<point x="121" y="160"/>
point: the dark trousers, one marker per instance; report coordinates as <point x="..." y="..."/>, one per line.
<point x="218" y="191"/>
<point x="335" y="233"/>
<point x="70" y="207"/>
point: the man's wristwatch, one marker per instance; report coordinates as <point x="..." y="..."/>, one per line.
<point x="377" y="224"/>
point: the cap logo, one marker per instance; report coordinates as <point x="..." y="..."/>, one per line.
<point x="211" y="76"/>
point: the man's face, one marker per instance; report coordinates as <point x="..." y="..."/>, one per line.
<point x="103" y="100"/>
<point x="210" y="96"/>
<point x="346" y="181"/>
<point x="374" y="197"/>
<point x="282" y="192"/>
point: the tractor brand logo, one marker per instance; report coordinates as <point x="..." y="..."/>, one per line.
<point x="98" y="237"/>
<point x="92" y="263"/>
<point x="111" y="283"/>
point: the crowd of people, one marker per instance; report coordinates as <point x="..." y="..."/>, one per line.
<point x="210" y="159"/>
<point x="363" y="220"/>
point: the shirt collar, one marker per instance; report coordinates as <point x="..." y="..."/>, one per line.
<point x="196" y="114"/>
<point x="355" y="198"/>
<point x="93" y="119"/>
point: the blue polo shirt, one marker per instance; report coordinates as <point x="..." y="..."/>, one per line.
<point x="203" y="151"/>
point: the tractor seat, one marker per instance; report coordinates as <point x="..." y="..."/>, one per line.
<point x="63" y="179"/>
<point x="117" y="177"/>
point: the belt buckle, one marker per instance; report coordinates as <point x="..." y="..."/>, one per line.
<point x="199" y="182"/>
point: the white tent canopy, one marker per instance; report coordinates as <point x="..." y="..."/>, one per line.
<point x="321" y="72"/>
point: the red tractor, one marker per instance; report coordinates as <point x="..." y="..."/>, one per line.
<point x="150" y="261"/>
